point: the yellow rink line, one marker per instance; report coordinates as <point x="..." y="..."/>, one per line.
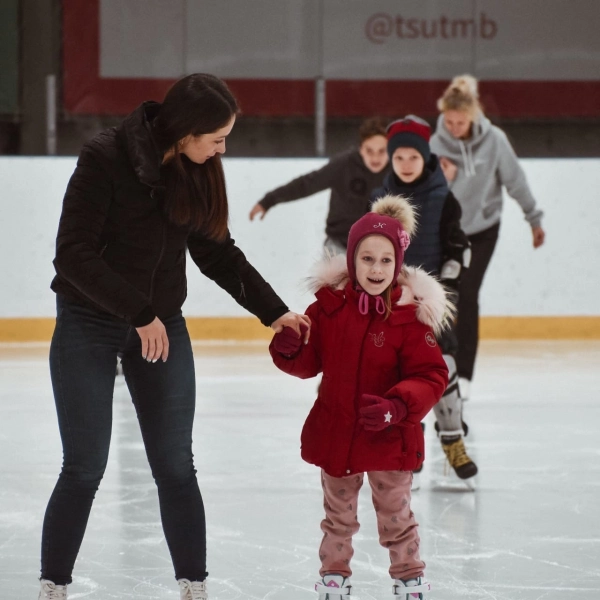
<point x="249" y="328"/>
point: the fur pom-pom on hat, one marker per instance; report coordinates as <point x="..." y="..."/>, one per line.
<point x="392" y="217"/>
<point x="398" y="208"/>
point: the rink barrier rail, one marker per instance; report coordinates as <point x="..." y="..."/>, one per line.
<point x="249" y="328"/>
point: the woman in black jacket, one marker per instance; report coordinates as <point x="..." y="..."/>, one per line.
<point x="140" y="195"/>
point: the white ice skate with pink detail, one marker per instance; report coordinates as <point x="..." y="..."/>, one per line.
<point x="410" y="589"/>
<point x="334" y="587"/>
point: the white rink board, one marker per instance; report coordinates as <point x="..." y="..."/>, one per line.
<point x="558" y="279"/>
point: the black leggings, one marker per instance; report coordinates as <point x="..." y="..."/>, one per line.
<point x="467" y="327"/>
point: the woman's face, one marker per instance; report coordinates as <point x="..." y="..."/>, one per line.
<point x="200" y="148"/>
<point x="374" y="153"/>
<point x="458" y="123"/>
<point x="374" y="263"/>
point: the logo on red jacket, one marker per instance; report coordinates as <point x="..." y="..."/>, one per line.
<point x="378" y="339"/>
<point x="430" y="339"/>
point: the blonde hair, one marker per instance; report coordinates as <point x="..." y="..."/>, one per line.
<point x="462" y="94"/>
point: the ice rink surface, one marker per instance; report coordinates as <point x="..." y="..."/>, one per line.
<point x="530" y="531"/>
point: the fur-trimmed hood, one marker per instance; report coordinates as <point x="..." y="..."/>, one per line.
<point x="418" y="287"/>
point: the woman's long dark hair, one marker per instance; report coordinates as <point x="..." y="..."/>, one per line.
<point x="196" y="196"/>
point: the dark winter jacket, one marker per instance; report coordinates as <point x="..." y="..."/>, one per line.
<point x="350" y="182"/>
<point x="358" y="354"/>
<point x="117" y="252"/>
<point x="439" y="236"/>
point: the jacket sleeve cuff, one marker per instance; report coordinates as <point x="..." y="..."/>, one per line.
<point x="268" y="202"/>
<point x="536" y="222"/>
<point x="144" y="318"/>
<point x="272" y="315"/>
<point x="401" y="408"/>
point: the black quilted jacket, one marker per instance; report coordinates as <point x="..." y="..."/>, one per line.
<point x="117" y="252"/>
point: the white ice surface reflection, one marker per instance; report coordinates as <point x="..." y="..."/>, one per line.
<point x="530" y="530"/>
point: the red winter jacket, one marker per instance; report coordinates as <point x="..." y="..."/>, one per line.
<point x="364" y="354"/>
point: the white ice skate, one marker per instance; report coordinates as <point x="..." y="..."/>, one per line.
<point x="192" y="590"/>
<point x="410" y="589"/>
<point x="51" y="591"/>
<point x="334" y="587"/>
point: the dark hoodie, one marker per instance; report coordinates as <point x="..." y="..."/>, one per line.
<point x="438" y="237"/>
<point x="117" y="252"/>
<point x="350" y="182"/>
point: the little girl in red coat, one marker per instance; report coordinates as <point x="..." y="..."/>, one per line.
<point x="373" y="337"/>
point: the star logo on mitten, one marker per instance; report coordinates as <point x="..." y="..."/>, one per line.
<point x="388" y="417"/>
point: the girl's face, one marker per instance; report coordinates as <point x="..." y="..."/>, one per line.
<point x="408" y="164"/>
<point x="200" y="148"/>
<point x="374" y="153"/>
<point x="375" y="262"/>
<point x="458" y="123"/>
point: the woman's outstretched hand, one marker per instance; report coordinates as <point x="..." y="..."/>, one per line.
<point x="293" y="320"/>
<point x="257" y="210"/>
<point x="539" y="235"/>
<point x="155" y="343"/>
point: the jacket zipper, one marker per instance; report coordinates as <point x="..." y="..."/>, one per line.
<point x="242" y="288"/>
<point x="357" y="400"/>
<point x="160" y="256"/>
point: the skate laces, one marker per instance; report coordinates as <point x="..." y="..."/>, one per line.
<point x="192" y="590"/>
<point x="51" y="591"/>
<point x="456" y="453"/>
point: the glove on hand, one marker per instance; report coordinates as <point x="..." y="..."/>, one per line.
<point x="450" y="269"/>
<point x="380" y="413"/>
<point x="287" y="342"/>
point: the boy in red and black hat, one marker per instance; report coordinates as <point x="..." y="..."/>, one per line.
<point x="440" y="247"/>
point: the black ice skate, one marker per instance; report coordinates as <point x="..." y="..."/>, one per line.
<point x="457" y="456"/>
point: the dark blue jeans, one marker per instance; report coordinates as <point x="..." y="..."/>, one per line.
<point x="83" y="358"/>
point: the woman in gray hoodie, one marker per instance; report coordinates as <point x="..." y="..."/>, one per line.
<point x="477" y="160"/>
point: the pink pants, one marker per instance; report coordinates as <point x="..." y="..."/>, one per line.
<point x="395" y="522"/>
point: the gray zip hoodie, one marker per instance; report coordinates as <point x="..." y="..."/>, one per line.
<point x="486" y="162"/>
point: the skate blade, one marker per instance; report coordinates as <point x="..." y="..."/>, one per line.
<point x="452" y="483"/>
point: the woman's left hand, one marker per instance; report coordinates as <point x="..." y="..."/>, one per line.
<point x="538" y="236"/>
<point x="448" y="168"/>
<point x="293" y="320"/>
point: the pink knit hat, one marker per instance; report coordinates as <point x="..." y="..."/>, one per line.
<point x="392" y="217"/>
